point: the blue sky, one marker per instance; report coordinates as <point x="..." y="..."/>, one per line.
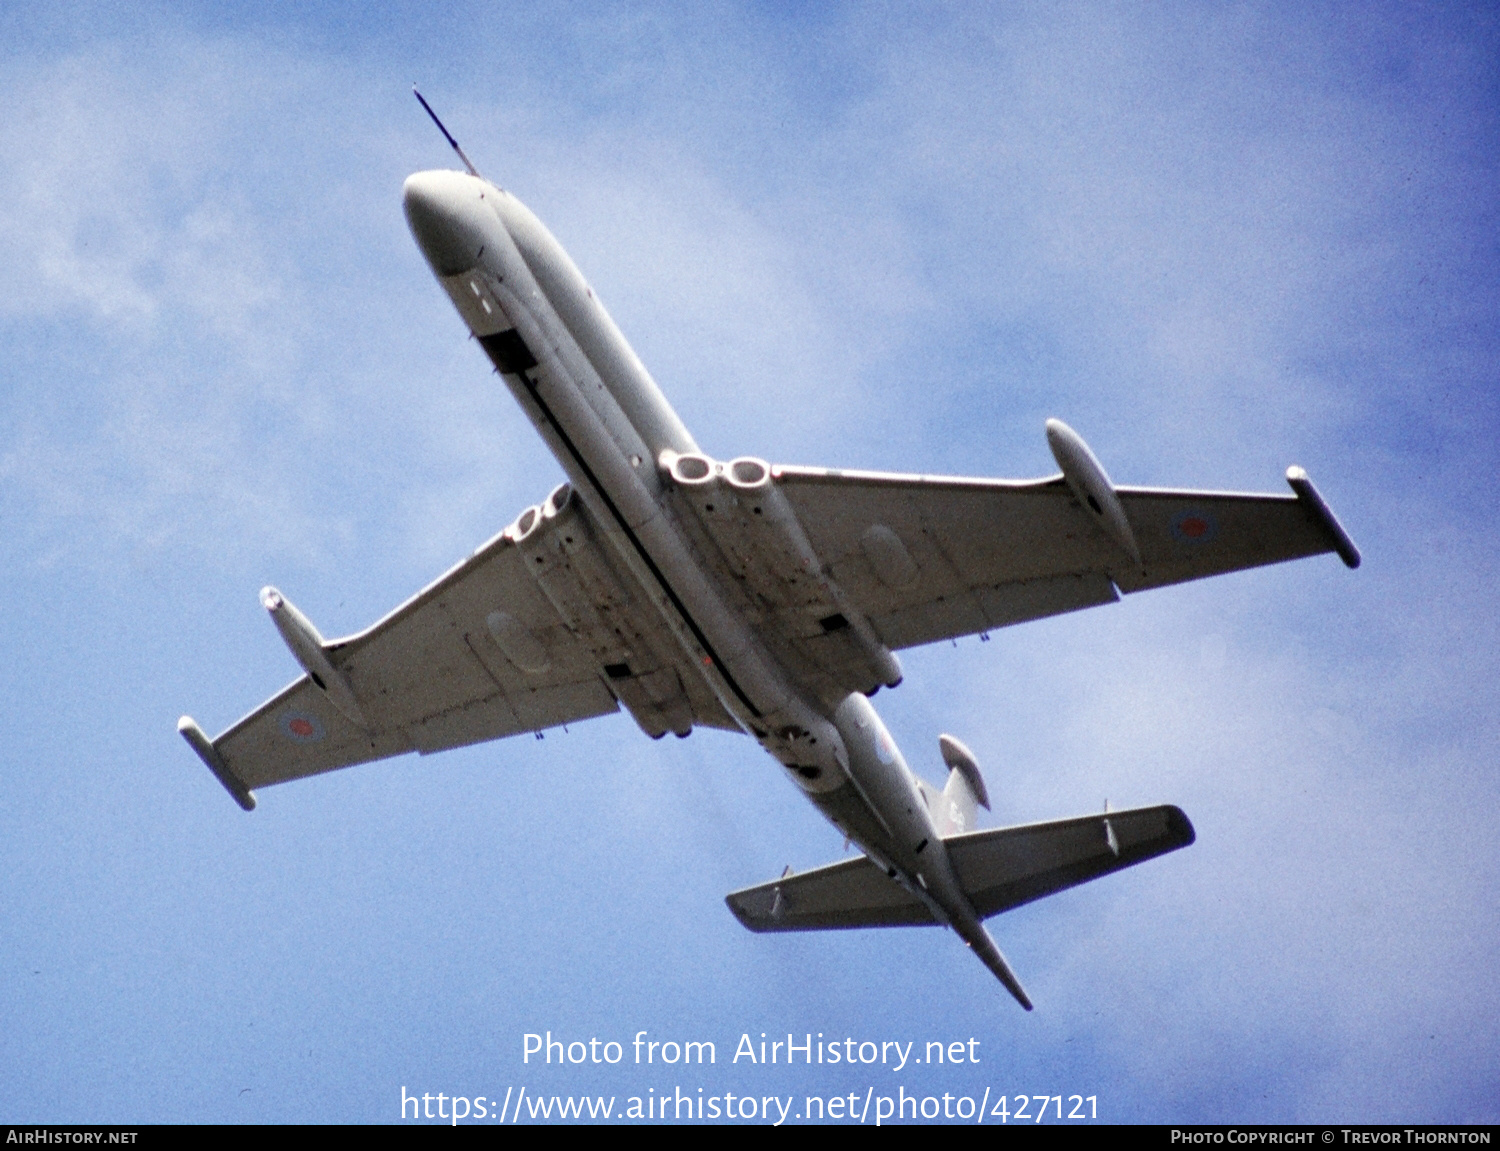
<point x="1217" y="241"/>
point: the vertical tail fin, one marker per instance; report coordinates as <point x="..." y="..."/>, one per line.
<point x="965" y="791"/>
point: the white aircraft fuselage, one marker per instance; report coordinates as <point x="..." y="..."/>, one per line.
<point x="642" y="478"/>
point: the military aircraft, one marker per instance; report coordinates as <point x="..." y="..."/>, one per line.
<point x="743" y="596"/>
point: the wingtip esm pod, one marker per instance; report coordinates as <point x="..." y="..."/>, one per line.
<point x="200" y="743"/>
<point x="1318" y="508"/>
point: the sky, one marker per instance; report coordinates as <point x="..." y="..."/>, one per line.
<point x="1216" y="240"/>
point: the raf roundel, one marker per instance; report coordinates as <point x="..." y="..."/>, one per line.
<point x="1194" y="527"/>
<point x="299" y="727"/>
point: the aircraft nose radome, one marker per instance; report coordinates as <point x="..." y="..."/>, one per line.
<point x="447" y="218"/>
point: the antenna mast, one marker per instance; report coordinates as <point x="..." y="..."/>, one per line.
<point x="473" y="171"/>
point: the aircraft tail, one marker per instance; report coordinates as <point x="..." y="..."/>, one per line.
<point x="964" y="793"/>
<point x="997" y="870"/>
<point x="983" y="945"/>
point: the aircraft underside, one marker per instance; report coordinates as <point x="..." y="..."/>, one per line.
<point x="736" y="595"/>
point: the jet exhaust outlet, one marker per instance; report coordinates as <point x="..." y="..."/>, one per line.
<point x="748" y="473"/>
<point x="693" y="469"/>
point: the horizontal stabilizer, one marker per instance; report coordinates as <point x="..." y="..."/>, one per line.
<point x="998" y="869"/>
<point x="851" y="893"/>
<point x="1010" y="866"/>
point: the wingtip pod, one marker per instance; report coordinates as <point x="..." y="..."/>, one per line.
<point x="200" y="743"/>
<point x="1318" y="508"/>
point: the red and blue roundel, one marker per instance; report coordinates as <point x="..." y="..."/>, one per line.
<point x="299" y="727"/>
<point x="1194" y="527"/>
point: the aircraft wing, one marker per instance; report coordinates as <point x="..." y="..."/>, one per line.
<point x="429" y="676"/>
<point x="928" y="558"/>
<point x="997" y="869"/>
